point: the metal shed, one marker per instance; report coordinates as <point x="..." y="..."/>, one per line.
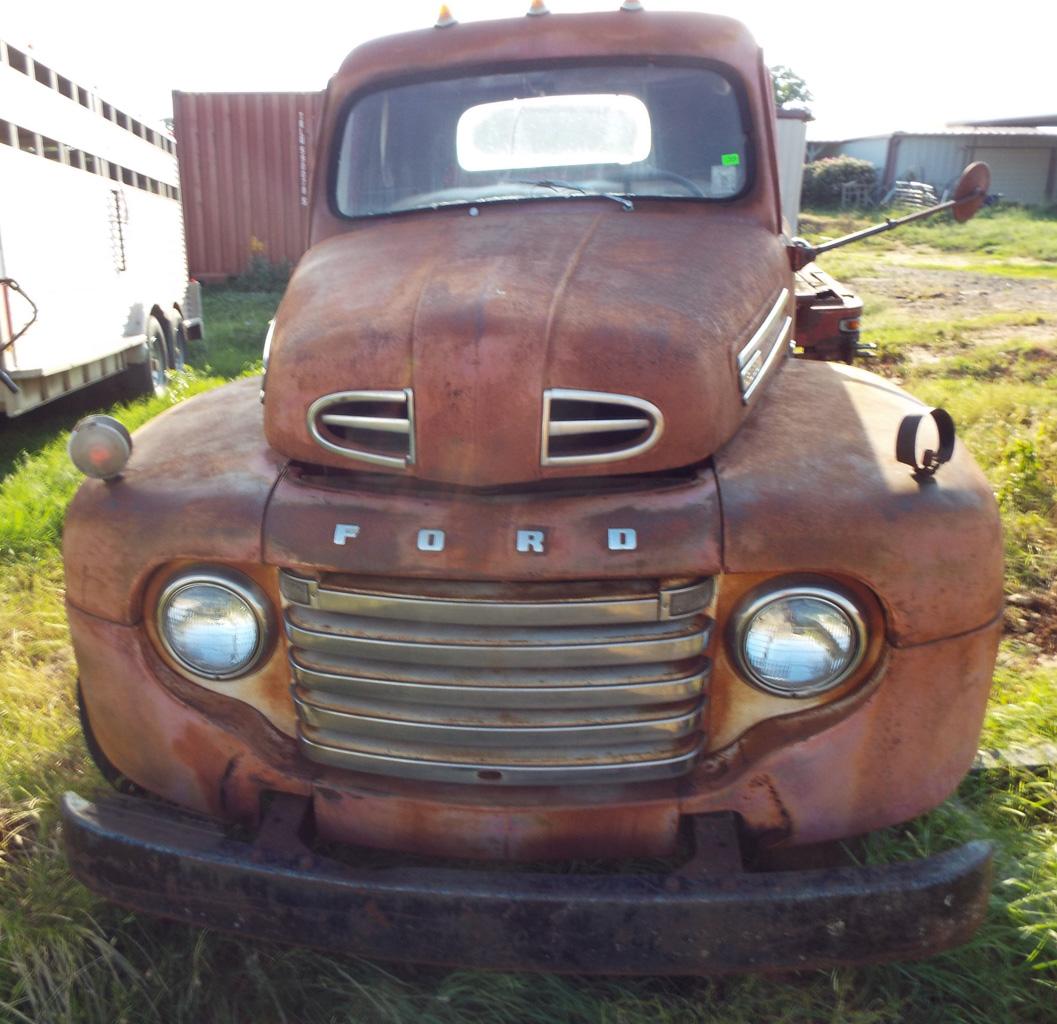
<point x="1023" y="161"/>
<point x="245" y="170"/>
<point x="790" y="142"/>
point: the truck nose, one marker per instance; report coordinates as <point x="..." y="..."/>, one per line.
<point x="478" y="354"/>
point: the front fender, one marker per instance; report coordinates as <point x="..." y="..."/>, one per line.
<point x="196" y="487"/>
<point x="811" y="484"/>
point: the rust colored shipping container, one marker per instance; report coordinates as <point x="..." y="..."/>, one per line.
<point x="246" y="161"/>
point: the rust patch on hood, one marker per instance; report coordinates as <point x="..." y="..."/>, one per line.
<point x="479" y="315"/>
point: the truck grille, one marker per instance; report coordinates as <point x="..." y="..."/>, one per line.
<point x="538" y="684"/>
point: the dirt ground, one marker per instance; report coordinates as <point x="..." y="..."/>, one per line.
<point x="984" y="310"/>
<point x="958" y="295"/>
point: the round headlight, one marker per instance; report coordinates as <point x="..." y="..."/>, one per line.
<point x="799" y="641"/>
<point x="215" y="623"/>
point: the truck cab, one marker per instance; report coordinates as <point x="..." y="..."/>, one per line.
<point x="535" y="545"/>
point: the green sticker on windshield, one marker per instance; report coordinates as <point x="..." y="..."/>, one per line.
<point x="730" y="159"/>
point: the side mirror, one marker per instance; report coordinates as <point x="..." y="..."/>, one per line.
<point x="970" y="193"/>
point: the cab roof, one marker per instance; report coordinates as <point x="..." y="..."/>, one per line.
<point x="597" y="35"/>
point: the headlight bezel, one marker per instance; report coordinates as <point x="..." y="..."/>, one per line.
<point x="820" y="589"/>
<point x="244" y="589"/>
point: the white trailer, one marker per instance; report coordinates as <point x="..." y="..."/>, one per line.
<point x="93" y="268"/>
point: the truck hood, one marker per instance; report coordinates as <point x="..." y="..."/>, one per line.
<point x="479" y="312"/>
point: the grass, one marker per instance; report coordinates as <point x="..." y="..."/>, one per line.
<point x="1003" y="241"/>
<point x="1020" y="271"/>
<point x="1009" y="233"/>
<point x="68" y="957"/>
<point x="237" y="323"/>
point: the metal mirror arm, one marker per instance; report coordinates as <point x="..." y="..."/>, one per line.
<point x="969" y="196"/>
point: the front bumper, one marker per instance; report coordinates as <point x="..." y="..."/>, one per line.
<point x="709" y="916"/>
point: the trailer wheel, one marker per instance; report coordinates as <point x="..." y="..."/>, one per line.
<point x="178" y="352"/>
<point x="148" y="377"/>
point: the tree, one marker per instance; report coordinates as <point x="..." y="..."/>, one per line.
<point x="790" y="90"/>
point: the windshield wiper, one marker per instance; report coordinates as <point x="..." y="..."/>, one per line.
<point x="559" y="185"/>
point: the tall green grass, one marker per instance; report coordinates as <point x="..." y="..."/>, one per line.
<point x="1008" y="233"/>
<point x="1012" y="429"/>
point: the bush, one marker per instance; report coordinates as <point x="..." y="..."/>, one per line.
<point x="823" y="179"/>
<point x="261" y="275"/>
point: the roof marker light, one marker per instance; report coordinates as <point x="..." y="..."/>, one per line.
<point x="445" y="19"/>
<point x="631" y="5"/>
<point x="536" y="8"/>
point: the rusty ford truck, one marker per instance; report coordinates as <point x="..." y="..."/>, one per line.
<point x="537" y="599"/>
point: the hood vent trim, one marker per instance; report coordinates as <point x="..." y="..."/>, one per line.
<point x="377" y="427"/>
<point x="584" y="427"/>
<point x="763" y="348"/>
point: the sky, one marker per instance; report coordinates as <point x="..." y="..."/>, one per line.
<point x="872" y="68"/>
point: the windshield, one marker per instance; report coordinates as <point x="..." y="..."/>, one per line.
<point x="643" y="130"/>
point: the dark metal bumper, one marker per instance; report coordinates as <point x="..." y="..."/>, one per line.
<point x="702" y="919"/>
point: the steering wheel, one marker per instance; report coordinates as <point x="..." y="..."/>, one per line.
<point x="659" y="172"/>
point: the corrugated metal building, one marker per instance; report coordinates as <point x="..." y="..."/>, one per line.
<point x="246" y="162"/>
<point x="1023" y="161"/>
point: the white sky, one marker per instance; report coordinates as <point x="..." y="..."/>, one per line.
<point x="873" y="67"/>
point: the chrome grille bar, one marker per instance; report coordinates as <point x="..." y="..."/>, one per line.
<point x="627" y="769"/>
<point x="511" y="686"/>
<point x="461" y="607"/>
<point x="584" y="689"/>
<point x="563" y="428"/>
<point x="386" y="425"/>
<point x="526" y="739"/>
<point x="322" y="631"/>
